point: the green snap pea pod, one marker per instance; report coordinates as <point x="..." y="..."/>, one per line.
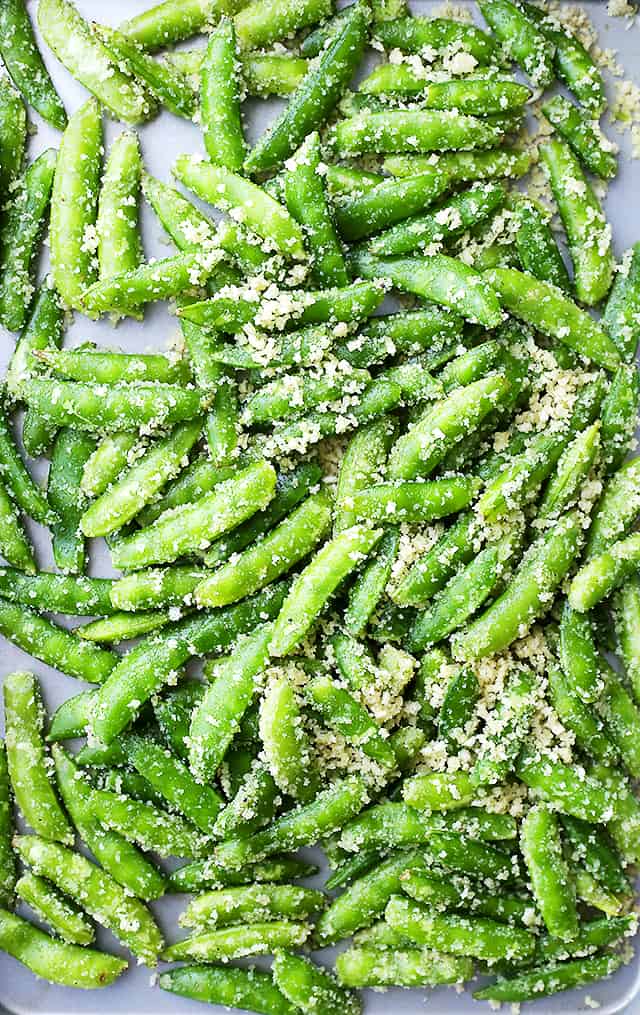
<point x="578" y="655"/>
<point x="398" y="131"/>
<point x="54" y="645"/>
<point x="27" y="494"/>
<point x="438" y="791"/>
<point x="173" y="714"/>
<point x="145" y="669"/>
<point x="433" y="330"/>
<point x="623" y="306"/>
<point x="563" y="788"/>
<point x="593" y="894"/>
<point x="444" y="280"/>
<point x="360" y="215"/>
<point x="250" y="988"/>
<point x="83" y="54"/>
<point x="252" y="904"/>
<point x="477" y="936"/>
<point x="27" y="760"/>
<point x="57" y="961"/>
<point x="306" y="201"/>
<point x="171" y="21"/>
<point x="412" y="34"/>
<point x="7" y="856"/>
<point x="286" y="744"/>
<point x="527" y="595"/>
<point x="110" y="458"/>
<point x="593" y="850"/>
<point x="591" y="936"/>
<point x="71" y="450"/>
<point x="624" y="824"/>
<point x="627" y="618"/>
<point x="222" y="418"/>
<point x="13" y="133"/>
<point x="19" y="239"/>
<point x="311" y="988"/>
<point x="253" y="806"/>
<point x="545" y="308"/>
<point x="458" y="708"/>
<point x="129" y="783"/>
<point x="573" y="468"/>
<point x="464" y="166"/>
<point x="443" y="425"/>
<point x="573" y="63"/>
<point x="546" y="980"/>
<point x="74" y="199"/>
<point x="619" y="411"/>
<point x="604" y="572"/>
<point x="581" y="137"/>
<point x="303" y="825"/>
<point x="342" y="711"/>
<point x="172" y="586"/>
<point x="414" y="501"/>
<point x="98" y="893"/>
<point x="431" y="571"/>
<point x="354" y="661"/>
<point x="350" y="869"/>
<point x="262" y="23"/>
<point x="622" y="719"/>
<point x="370" y="966"/>
<point x="65" y="921"/>
<point x="584" y="221"/>
<point x="345" y="180"/>
<point x="364" y="459"/>
<point x="141" y="483"/>
<point x="475" y="823"/>
<point x="521" y="479"/>
<point x="616" y="509"/>
<point x="461" y="895"/>
<point x="161" y="80"/>
<point x="219" y="99"/>
<point x="57" y="593"/>
<point x="192" y="527"/>
<point x="216" y="718"/>
<point x="224" y="189"/>
<point x="206" y="874"/>
<point x="122" y="627"/>
<point x="590" y="733"/>
<point x="313" y="587"/>
<point x="537" y="248"/>
<point x="520" y="39"/>
<point x="268" y="74"/>
<point x="553" y="888"/>
<point x="291" y="392"/>
<point x="119" y="246"/>
<point x="113" y="367"/>
<point x="24" y="63"/>
<point x="471" y="95"/>
<point x="155" y="280"/>
<point x="14" y="544"/>
<point x="317" y="94"/>
<point x="443" y="223"/>
<point x="368" y="588"/>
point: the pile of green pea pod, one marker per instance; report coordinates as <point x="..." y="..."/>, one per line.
<point x="403" y="544"/>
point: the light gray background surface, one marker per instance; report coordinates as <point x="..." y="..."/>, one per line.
<point x="161" y="141"/>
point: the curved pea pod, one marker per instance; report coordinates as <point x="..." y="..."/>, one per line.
<point x="121" y="627"/>
<point x="94" y="366"/>
<point x="286" y="745"/>
<point x="363" y="459"/>
<point x="520" y="40"/>
<point x="253" y="806"/>
<point x="571" y="473"/>
<point x="172" y="20"/>
<point x="547" y="980"/>
<point x="192" y="527"/>
<point x="401" y="966"/>
<point x="57" y="961"/>
<point x="604" y="572"/>
<point x="623" y="306"/>
<point x="306" y="201"/>
<point x="537" y="249"/>
<point x="578" y="655"/>
<point x="25" y="65"/>
<point x="545" y="308"/>
<point x="627" y="617"/>
<point x="464" y="166"/>
<point x="622" y="719"/>
<point x="52" y="907"/>
<point x="414" y="501"/>
<point x="458" y="708"/>
<point x="206" y="874"/>
<point x="476" y="936"/>
<point x="71" y="450"/>
<point x="99" y="894"/>
<point x="397" y="131"/>
<point x="445" y="895"/>
<point x="317" y="94"/>
<point x="593" y="894"/>
<point x="156" y="587"/>
<point x="439" y="791"/>
<point x="234" y="942"/>
<point x="587" y="144"/>
<point x="252" y="904"/>
<point x="155" y="280"/>
<point x="340" y="710"/>
<point x="262" y="24"/>
<point x="623" y="816"/>
<point x="583" y="218"/>
<point x="444" y="425"/>
<point x="360" y="215"/>
<point x="24" y="490"/>
<point x="619" y="414"/>
<point x="266" y="74"/>
<point x="219" y="99"/>
<point x="590" y="733"/>
<point x="565" y="789"/>
<point x="553" y="888"/>
<point x="573" y="64"/>
<point x="412" y="34"/>
<point x="368" y="588"/>
<point x="13" y="133"/>
<point x="119" y="245"/>
<point x="616" y="509"/>
<point x="69" y="36"/>
<point x="593" y="849"/>
<point x="430" y="571"/>
<point x="14" y="544"/>
<point x="304" y="825"/>
<point x="311" y="988"/>
<point x="250" y="988"/>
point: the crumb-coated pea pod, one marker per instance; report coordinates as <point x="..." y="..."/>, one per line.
<point x="619" y="416"/>
<point x="288" y="394"/>
<point x="412" y="34"/>
<point x="582" y="138"/>
<point x="97" y="892"/>
<point x="340" y="710"/>
<point x="7" y="856"/>
<point x="250" y="988"/>
<point x="477" y="936"/>
<point x="443" y="425"/>
<point x="593" y="894"/>
<point x="192" y="527"/>
<point x="71" y="450"/>
<point x="458" y="707"/>
<point x="547" y="309"/>
<point x="536" y="245"/>
<point x="368" y="589"/>
<point x="429" y="573"/>
<point x="173" y="20"/>
<point x="587" y="230"/>
<point x="305" y="824"/>
<point x="592" y="935"/>
<point x="527" y="596"/>
<point x="590" y="733"/>
<point x="99" y="367"/>
<point x="578" y="655"/>
<point x="19" y="240"/>
<point x="262" y="22"/>
<point x="314" y="586"/>
<point x="65" y="921"/>
<point x="206" y="874"/>
<point x="27" y="760"/>
<point x="119" y="244"/>
<point x="286" y="744"/>
<point x="399" y="130"/>
<point x="400" y="966"/>
<point x="152" y="281"/>
<point x="156" y="587"/>
<point x="464" y="166"/>
<point x="345" y="180"/>
<point x="622" y="718"/>
<point x="624" y="825"/>
<point x="546" y="980"/>
<point x="24" y="63"/>
<point x="13" y="133"/>
<point x="391" y="201"/>
<point x="564" y="788"/>
<point x="152" y="663"/>
<point x="306" y="201"/>
<point x="74" y="200"/>
<point x="79" y="49"/>
<point x="572" y="471"/>
<point x="225" y="189"/>
<point x="311" y="988"/>
<point x="479" y="96"/>
<point x="616" y="509"/>
<point x="461" y="895"/>
<point x="26" y="493"/>
<point x="622" y="311"/>
<point x="441" y="791"/>
<point x="57" y="961"/>
<point x="520" y="39"/>
<point x="219" y="99"/>
<point x="252" y="904"/>
<point x="118" y="857"/>
<point x="141" y="483"/>
<point x="604" y="572"/>
<point x="551" y="882"/>
<point x="111" y="456"/>
<point x="627" y="618"/>
<point x="595" y="852"/>
<point x="14" y="544"/>
<point x="57" y="593"/>
<point x="216" y="718"/>
<point x="432" y="329"/>
<point x="364" y="459"/>
<point x="221" y="423"/>
<point x="414" y="501"/>
<point x="54" y="645"/>
<point x="266" y="74"/>
<point x="315" y="98"/>
<point x="253" y="806"/>
<point x="438" y="278"/>
<point x="121" y="627"/>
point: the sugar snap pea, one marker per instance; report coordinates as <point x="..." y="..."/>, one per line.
<point x="573" y="468"/>
<point x="251" y="904"/>
<point x="24" y="490"/>
<point x="399" y="131"/>
<point x="65" y="921"/>
<point x="71" y="451"/>
<point x="572" y="61"/>
<point x="219" y="101"/>
<point x="54" y="645"/>
<point x="250" y="988"/>
<point x="581" y="137"/>
<point x="622" y="308"/>
<point x="119" y="246"/>
<point x="369" y="966"/>
<point x="545" y="980"/>
<point x="552" y="886"/>
<point x="537" y="248"/>
<point x="412" y="34"/>
<point x="25" y="64"/>
<point x="604" y="572"/>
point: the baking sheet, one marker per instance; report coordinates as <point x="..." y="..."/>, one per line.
<point x="161" y="141"/>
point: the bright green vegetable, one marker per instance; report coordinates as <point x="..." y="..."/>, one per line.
<point x="71" y="451"/>
<point x="621" y="312"/>
<point x="52" y="907"/>
<point x="249" y="988"/>
<point x="553" y="888"/>
<point x="119" y="245"/>
<point x="219" y="100"/>
<point x="286" y="744"/>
